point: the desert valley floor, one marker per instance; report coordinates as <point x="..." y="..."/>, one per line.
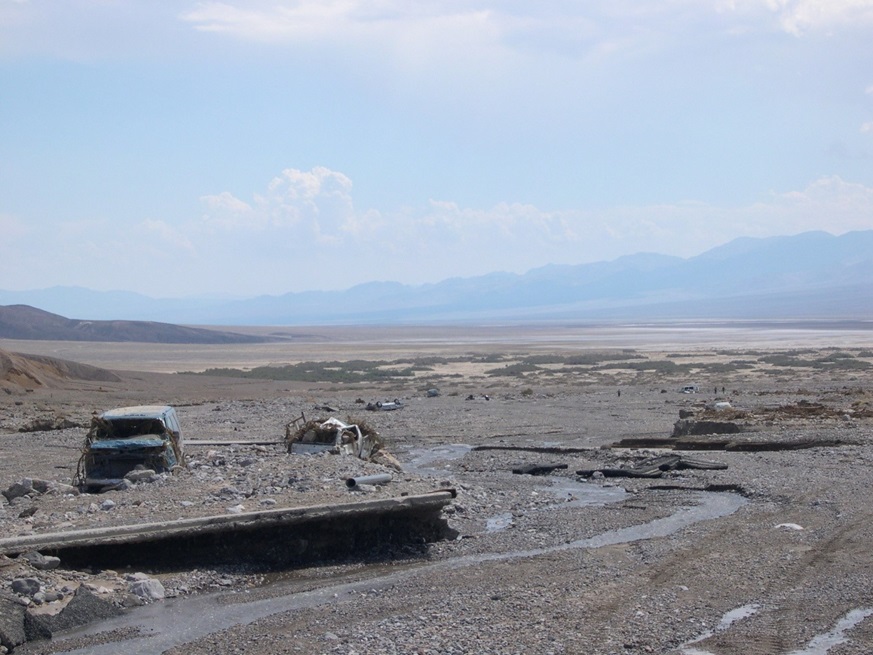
<point x="769" y="553"/>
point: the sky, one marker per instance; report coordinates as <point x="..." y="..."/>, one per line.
<point x="177" y="148"/>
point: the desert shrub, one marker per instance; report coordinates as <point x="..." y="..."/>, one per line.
<point x="783" y="359"/>
<point x="728" y="367"/>
<point x="663" y="366"/>
<point x="489" y="359"/>
<point x="544" y="359"/>
<point x="518" y="369"/>
<point x="837" y="356"/>
<point x="844" y="364"/>
<point x="338" y="372"/>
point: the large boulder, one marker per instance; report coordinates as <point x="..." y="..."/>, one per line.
<point x="19" y="489"/>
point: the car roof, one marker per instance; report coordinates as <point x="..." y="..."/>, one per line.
<point x="138" y="411"/>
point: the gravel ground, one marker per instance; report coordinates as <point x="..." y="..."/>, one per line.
<point x="776" y="574"/>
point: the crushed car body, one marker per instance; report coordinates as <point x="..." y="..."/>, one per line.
<point x="384" y="405"/>
<point x="126" y="439"/>
<point x="339" y="438"/>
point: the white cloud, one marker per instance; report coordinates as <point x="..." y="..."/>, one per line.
<point x="412" y="35"/>
<point x="806" y="15"/>
<point x="867" y="128"/>
<point x="226" y="211"/>
<point x="422" y="34"/>
<point x="304" y="232"/>
<point x="311" y="213"/>
<point x="316" y="202"/>
<point x="830" y="201"/>
<point x="799" y="17"/>
<point x="312" y="20"/>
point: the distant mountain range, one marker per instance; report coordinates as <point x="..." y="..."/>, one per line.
<point x="814" y="275"/>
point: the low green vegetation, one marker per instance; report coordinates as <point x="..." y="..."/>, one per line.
<point x="345" y="372"/>
<point x="556" y="368"/>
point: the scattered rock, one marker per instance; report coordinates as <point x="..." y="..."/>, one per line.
<point x="148" y="590"/>
<point x="25" y="586"/>
<point x="142" y="475"/>
<point x="19" y="489"/>
<point x="42" y="562"/>
<point x="63" y="489"/>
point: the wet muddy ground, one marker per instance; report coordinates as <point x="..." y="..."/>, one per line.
<point x="781" y="563"/>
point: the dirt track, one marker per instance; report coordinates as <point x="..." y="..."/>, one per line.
<point x="791" y="561"/>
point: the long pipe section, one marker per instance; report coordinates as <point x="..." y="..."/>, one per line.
<point x="380" y="478"/>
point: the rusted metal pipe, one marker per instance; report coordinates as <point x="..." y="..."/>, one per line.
<point x="379" y="478"/>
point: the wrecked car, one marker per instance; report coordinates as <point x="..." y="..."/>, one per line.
<point x="339" y="438"/>
<point x="128" y="438"/>
<point x="385" y="406"/>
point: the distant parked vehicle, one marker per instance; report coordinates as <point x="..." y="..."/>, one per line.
<point x="384" y="405"/>
<point x="690" y="388"/>
<point x="124" y="439"/>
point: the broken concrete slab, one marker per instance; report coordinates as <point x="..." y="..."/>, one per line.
<point x="11" y="622"/>
<point x="283" y="516"/>
<point x="84" y="607"/>
<point x="654" y="468"/>
<point x="537" y="469"/>
<point x="729" y="444"/>
<point x="689" y="427"/>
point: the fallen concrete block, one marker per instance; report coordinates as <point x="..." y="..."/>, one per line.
<point x="84" y="607"/>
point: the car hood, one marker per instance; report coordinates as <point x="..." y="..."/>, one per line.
<point x="128" y="444"/>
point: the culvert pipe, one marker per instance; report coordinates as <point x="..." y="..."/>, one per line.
<point x="379" y="478"/>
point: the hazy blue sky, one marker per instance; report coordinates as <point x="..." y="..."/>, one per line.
<point x="175" y="147"/>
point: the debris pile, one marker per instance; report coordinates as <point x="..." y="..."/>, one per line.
<point x="654" y="468"/>
<point x="686" y="427"/>
<point x="48" y="423"/>
<point x="339" y="438"/>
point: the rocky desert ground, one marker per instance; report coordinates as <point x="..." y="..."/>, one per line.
<point x="769" y="553"/>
